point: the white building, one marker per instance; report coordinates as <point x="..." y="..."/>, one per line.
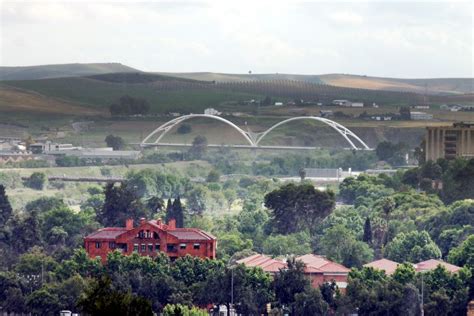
<point x="341" y="102"/>
<point x="420" y="116"/>
<point x="211" y="111"/>
<point x="278" y="103"/>
<point x="357" y="105"/>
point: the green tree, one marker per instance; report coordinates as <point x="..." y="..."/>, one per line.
<point x="120" y="204"/>
<point x="199" y="147"/>
<point x="213" y="176"/>
<point x="290" y="282"/>
<point x="5" y="207"/>
<point x="340" y="245"/>
<point x="178" y="212"/>
<point x="298" y="206"/>
<point x="310" y="303"/>
<point x="37" y="181"/>
<point x="463" y="255"/>
<point x="196" y="199"/>
<point x="102" y="299"/>
<point x="116" y="142"/>
<point x="412" y="247"/>
<point x="367" y="238"/>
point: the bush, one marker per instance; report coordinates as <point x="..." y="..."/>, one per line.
<point x="36" y="181"/>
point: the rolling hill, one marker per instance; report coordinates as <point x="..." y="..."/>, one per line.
<point x="61" y="71"/>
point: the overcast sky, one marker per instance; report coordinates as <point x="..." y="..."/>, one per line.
<point x="380" y="38"/>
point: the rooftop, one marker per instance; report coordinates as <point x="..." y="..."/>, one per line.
<point x="386" y="265"/>
<point x="432" y="264"/>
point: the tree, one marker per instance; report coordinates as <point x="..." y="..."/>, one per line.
<point x="367" y="238"/>
<point x="463" y="255"/>
<point x="298" y="206"/>
<point x="289" y="282"/>
<point x="178" y="212"/>
<point x="102" y="299"/>
<point x="120" y="204"/>
<point x="310" y="303"/>
<point x="213" y="176"/>
<point x="405" y="113"/>
<point x="37" y="181"/>
<point x="5" y="208"/>
<point x="302" y="174"/>
<point x="196" y="199"/>
<point x="184" y="129"/>
<point x="116" y="142"/>
<point x="412" y="247"/>
<point x="340" y="245"/>
<point x="199" y="147"/>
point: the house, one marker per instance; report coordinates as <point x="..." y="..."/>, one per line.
<point x="420" y="116"/>
<point x="318" y="269"/>
<point x="432" y="264"/>
<point x="341" y="103"/>
<point x="326" y="113"/>
<point x="278" y="103"/>
<point x="211" y="111"/>
<point x="357" y="105"/>
<point x="388" y="266"/>
<point x="150" y="238"/>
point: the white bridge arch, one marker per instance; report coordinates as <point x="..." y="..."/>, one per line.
<point x="253" y="139"/>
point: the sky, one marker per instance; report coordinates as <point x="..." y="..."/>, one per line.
<point x="378" y="38"/>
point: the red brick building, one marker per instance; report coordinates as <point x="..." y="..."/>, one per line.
<point x="150" y="238"/>
<point x="318" y="269"/>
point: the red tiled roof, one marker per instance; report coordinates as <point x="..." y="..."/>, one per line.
<point x="190" y="234"/>
<point x="386" y="265"/>
<point x="431" y="264"/>
<point x="267" y="264"/>
<point x="315" y="264"/>
<point x="107" y="233"/>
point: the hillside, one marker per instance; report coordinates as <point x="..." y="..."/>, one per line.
<point x="61" y="71"/>
<point x="433" y="86"/>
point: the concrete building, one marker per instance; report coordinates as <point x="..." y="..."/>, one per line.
<point x="420" y="116"/>
<point x="150" y="238"/>
<point x="450" y="142"/>
<point x="212" y="111"/>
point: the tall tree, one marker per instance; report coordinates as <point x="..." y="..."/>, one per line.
<point x="116" y="142"/>
<point x="120" y="203"/>
<point x="5" y="207"/>
<point x="199" y="147"/>
<point x="290" y="282"/>
<point x="367" y="232"/>
<point x="178" y="212"/>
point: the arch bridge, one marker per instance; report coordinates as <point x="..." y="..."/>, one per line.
<point x="253" y="139"/>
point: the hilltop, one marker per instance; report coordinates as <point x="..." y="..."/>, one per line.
<point x="61" y="71"/>
<point x="430" y="85"/>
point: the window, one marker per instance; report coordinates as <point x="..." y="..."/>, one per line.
<point x="155" y="235"/>
<point x="170" y="248"/>
<point x="143" y="248"/>
<point x="141" y="234"/>
<point x="150" y="247"/>
<point x="148" y="234"/>
<point x="157" y="247"/>
<point x="197" y="246"/>
<point x="182" y="246"/>
<point x="135" y="247"/>
<point x="111" y="245"/>
<point x="98" y="244"/>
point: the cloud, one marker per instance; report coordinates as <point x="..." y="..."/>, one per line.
<point x="346" y="17"/>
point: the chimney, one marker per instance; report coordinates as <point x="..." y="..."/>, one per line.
<point x="129" y="224"/>
<point x="142" y="221"/>
<point x="158" y="222"/>
<point x="172" y="223"/>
